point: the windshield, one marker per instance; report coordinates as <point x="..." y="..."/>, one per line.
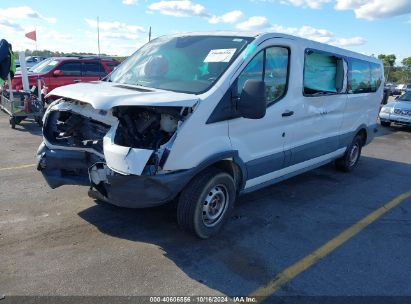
<point x="44" y="66"/>
<point x="189" y="64"/>
<point x="405" y="97"/>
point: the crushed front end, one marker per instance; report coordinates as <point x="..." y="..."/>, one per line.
<point x="119" y="153"/>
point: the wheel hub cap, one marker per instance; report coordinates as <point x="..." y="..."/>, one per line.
<point x="215" y="204"/>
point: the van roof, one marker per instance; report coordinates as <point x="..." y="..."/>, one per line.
<point x="266" y="35"/>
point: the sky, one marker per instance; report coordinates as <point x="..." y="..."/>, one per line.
<point x="365" y="26"/>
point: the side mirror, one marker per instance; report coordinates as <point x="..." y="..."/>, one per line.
<point x="252" y="100"/>
<point x="57" y="73"/>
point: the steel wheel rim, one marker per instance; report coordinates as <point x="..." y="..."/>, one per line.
<point x="214" y="205"/>
<point x="355" y="152"/>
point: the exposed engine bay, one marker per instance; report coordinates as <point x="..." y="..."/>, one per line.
<point x="127" y="139"/>
<point x="147" y="127"/>
<point x="66" y="128"/>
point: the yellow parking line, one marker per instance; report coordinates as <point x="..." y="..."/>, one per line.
<point x="294" y="270"/>
<point x="18" y="167"/>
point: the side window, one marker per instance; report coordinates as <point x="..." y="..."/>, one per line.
<point x="253" y="70"/>
<point x="359" y="77"/>
<point x="276" y="70"/>
<point x="93" y="69"/>
<point x="376" y="76"/>
<point x="271" y="66"/>
<point x="70" y="68"/>
<point x="323" y="73"/>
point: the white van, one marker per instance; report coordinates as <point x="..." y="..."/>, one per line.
<point x="206" y="117"/>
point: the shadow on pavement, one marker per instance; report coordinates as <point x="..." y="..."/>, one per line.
<point x="268" y="230"/>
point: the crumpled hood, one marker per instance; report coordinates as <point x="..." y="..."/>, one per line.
<point x="106" y="95"/>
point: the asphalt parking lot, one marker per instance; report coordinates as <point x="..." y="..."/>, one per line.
<point x="60" y="242"/>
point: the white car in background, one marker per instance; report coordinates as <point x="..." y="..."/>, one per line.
<point x="398" y="111"/>
<point x="402" y="88"/>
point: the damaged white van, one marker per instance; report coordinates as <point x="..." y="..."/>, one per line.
<point x="206" y="117"/>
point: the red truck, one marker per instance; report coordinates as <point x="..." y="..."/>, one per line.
<point x="59" y="71"/>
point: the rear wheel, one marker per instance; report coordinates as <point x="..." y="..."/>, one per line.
<point x="351" y="156"/>
<point x="205" y="203"/>
<point x="385" y="123"/>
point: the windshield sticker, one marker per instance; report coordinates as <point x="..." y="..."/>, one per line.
<point x="220" y="55"/>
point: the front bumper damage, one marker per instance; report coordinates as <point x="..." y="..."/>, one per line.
<point x="86" y="151"/>
<point x="61" y="167"/>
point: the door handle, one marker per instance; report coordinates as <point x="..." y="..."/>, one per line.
<point x="287" y="113"/>
<point x="77" y="80"/>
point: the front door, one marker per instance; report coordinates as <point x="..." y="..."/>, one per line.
<point x="260" y="142"/>
<point x="70" y="72"/>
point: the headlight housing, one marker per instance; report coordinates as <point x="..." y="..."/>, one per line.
<point x="386" y="110"/>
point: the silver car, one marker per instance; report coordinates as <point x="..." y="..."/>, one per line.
<point x="398" y="111"/>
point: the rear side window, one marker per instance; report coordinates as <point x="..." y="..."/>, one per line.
<point x="71" y="68"/>
<point x="271" y="66"/>
<point x="93" y="69"/>
<point x="376" y="76"/>
<point x="359" y="77"/>
<point x="323" y="73"/>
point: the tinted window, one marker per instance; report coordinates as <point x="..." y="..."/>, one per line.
<point x="359" y="76"/>
<point x="271" y="66"/>
<point x="323" y="73"/>
<point x="93" y="69"/>
<point x="376" y="76"/>
<point x="253" y="70"/>
<point x="276" y="70"/>
<point x="71" y="68"/>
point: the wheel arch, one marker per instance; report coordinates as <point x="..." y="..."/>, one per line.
<point x="228" y="161"/>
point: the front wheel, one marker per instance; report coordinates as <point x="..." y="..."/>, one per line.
<point x="351" y="156"/>
<point x="12" y="122"/>
<point x="385" y="123"/>
<point x="205" y="203"/>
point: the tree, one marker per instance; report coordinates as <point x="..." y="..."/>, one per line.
<point x="389" y="60"/>
<point x="407" y="62"/>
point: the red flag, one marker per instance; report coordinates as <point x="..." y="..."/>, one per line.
<point x="32" y="35"/>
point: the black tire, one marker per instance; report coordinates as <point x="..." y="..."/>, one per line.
<point x="350" y="159"/>
<point x="385" y="123"/>
<point x="213" y="188"/>
<point x="12" y="122"/>
<point x="39" y="121"/>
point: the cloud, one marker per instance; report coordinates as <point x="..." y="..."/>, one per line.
<point x="130" y="2"/>
<point x="342" y="42"/>
<point x="254" y="23"/>
<point x="179" y="8"/>
<point x="230" y="17"/>
<point x="112" y="36"/>
<point x="23" y="12"/>
<point x="375" y="9"/>
<point x="319" y="35"/>
<point x="308" y="32"/>
<point x="9" y="24"/>
<point x="314" y="4"/>
<point x="114" y="25"/>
